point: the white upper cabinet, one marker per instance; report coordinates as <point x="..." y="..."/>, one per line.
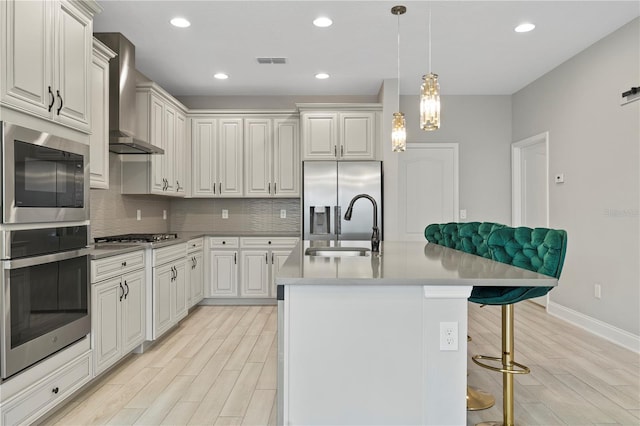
<point x="339" y="132"/>
<point x="161" y="121"/>
<point x="99" y="138"/>
<point x="46" y="59"/>
<point x="217" y="154"/>
<point x="271" y="157"/>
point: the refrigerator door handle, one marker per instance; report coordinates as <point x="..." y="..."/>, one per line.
<point x="338" y="211"/>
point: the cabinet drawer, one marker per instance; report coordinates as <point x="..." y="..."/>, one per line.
<point x="108" y="267"/>
<point x="44" y="395"/>
<point x="195" y="244"/>
<point x="224" y="242"/>
<point x="265" y="242"/>
<point x="167" y="254"/>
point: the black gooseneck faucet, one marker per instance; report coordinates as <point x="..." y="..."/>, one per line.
<point x="375" y="236"/>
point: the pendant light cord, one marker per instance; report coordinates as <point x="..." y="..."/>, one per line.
<point x="429" y="40"/>
<point x="398" y="62"/>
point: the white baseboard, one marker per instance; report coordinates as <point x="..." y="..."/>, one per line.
<point x="613" y="334"/>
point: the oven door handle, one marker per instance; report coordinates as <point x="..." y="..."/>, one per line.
<point x="47" y="258"/>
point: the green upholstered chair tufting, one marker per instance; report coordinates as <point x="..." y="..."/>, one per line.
<point x="470" y="237"/>
<point x="540" y="250"/>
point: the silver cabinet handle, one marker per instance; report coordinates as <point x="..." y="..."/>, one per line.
<point x="272" y="258"/>
<point x="275" y="189"/>
<point x="335" y="150"/>
<point x="121" y="294"/>
<point x="341" y="150"/>
<point x="266" y="258"/>
<point x="235" y="258"/>
<point x="214" y="187"/>
<point x="220" y="188"/>
<point x="127" y="287"/>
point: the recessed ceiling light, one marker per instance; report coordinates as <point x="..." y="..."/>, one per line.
<point x="221" y="76"/>
<point x="524" y="28"/>
<point x="322" y="76"/>
<point x="180" y="22"/>
<point x="322" y="22"/>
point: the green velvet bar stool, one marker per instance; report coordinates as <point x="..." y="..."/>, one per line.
<point x="470" y="237"/>
<point x="540" y="250"/>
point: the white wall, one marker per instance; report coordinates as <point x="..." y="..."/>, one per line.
<point x="595" y="142"/>
<point x="481" y="125"/>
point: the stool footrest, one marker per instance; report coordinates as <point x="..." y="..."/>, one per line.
<point x="509" y="369"/>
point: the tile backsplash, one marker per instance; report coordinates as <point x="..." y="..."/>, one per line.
<point x="113" y="213"/>
<point x="245" y="216"/>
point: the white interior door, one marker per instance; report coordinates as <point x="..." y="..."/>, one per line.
<point x="530" y="168"/>
<point x="427" y="187"/>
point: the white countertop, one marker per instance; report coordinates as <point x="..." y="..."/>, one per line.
<point x="403" y="263"/>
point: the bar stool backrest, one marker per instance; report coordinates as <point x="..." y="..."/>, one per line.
<point x="540" y="250"/>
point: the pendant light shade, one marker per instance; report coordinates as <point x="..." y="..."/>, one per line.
<point x="430" y="95"/>
<point x="430" y="102"/>
<point x="398" y="129"/>
<point x="398" y="133"/>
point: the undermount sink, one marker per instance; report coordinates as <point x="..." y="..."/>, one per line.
<point x="337" y="251"/>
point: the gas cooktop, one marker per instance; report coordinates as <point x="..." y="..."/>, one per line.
<point x="136" y="238"/>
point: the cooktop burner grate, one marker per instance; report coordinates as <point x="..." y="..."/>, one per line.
<point x="136" y="238"/>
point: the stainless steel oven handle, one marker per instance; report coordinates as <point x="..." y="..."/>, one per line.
<point x="47" y="258"/>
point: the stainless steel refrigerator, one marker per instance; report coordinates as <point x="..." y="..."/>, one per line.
<point x="329" y="187"/>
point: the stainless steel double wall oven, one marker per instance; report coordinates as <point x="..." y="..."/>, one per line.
<point x="45" y="295"/>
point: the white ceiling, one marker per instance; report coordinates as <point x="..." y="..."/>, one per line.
<point x="474" y="48"/>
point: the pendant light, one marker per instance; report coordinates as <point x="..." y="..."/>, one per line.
<point x="430" y="95"/>
<point x="398" y="129"/>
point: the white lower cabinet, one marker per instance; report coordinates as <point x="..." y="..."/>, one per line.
<point x="246" y="267"/>
<point x="223" y="267"/>
<point x="255" y="273"/>
<point x="169" y="289"/>
<point x="117" y="308"/>
<point x="36" y="400"/>
<point x="195" y="267"/>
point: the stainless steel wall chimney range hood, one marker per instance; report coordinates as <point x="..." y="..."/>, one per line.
<point x="122" y="98"/>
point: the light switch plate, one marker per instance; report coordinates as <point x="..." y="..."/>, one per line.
<point x="225" y="214"/>
<point x="138" y="215"/>
<point x="283" y="214"/>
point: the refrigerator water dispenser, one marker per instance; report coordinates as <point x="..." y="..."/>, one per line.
<point x="320" y="220"/>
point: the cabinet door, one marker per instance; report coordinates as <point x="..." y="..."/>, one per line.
<point x="133" y="311"/>
<point x="155" y="132"/>
<point x="320" y="136"/>
<point x="162" y="286"/>
<point x="99" y="138"/>
<point x="179" y="153"/>
<point x="105" y="322"/>
<point x="278" y="257"/>
<point x="229" y="160"/>
<point x="224" y="273"/>
<point x="74" y="35"/>
<point x="169" y="137"/>
<point x="179" y="292"/>
<point x="257" y="146"/>
<point x="357" y="136"/>
<point x="286" y="158"/>
<point x="203" y="150"/>
<point x="26" y="58"/>
<point x="195" y="264"/>
<point x="254" y="275"/>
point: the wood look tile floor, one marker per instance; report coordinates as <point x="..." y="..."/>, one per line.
<point x="218" y="367"/>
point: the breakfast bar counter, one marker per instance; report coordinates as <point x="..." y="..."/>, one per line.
<point x="379" y="338"/>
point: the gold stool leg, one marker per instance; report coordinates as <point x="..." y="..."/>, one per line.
<point x="478" y="399"/>
<point x="507" y="367"/>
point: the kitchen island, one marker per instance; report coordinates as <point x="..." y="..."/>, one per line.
<point x="379" y="338"/>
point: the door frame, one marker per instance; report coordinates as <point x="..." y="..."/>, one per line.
<point x="516" y="188"/>
<point x="516" y="176"/>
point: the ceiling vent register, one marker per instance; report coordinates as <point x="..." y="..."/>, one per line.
<point x="265" y="61"/>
